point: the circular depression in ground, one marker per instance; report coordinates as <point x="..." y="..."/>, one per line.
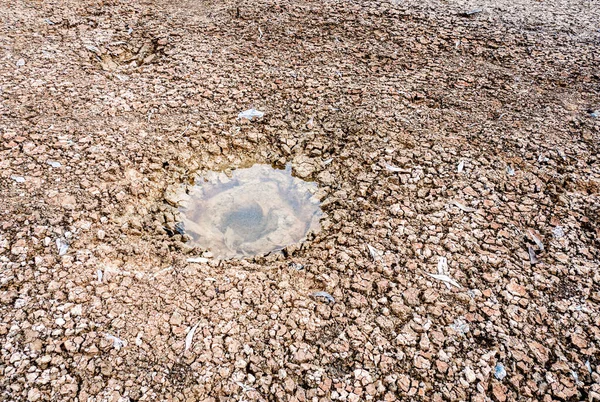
<point x="251" y="212"/>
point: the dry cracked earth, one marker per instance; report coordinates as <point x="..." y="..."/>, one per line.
<point x="448" y="134"/>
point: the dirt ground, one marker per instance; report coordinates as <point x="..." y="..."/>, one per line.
<point x="456" y="132"/>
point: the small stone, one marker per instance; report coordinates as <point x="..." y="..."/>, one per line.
<point x="470" y="375"/>
<point x="326" y="178"/>
<point x="404" y="382"/>
<point x="411" y="296"/>
<point x="363" y="376"/>
<point x="33" y="395"/>
<point x="176" y="319"/>
<point x="421" y="362"/>
<point x="540" y="351"/>
<point x="67" y="201"/>
<point x="441" y="366"/>
<point x="67" y="389"/>
<point x="105" y="368"/>
<point x="303" y="166"/>
<point x="352" y="397"/>
<point x="499" y="391"/>
<point x="579" y="341"/>
<point x="174" y="195"/>
<point x="424" y="343"/>
<point x="401" y="310"/>
<point x="70" y="346"/>
<point x="516" y="289"/>
<point x="303" y="354"/>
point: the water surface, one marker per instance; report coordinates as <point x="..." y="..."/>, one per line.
<point x="254" y="211"/>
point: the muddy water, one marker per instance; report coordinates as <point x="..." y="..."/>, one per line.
<point x="254" y="211"/>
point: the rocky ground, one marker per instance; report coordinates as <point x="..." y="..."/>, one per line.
<point x="461" y="136"/>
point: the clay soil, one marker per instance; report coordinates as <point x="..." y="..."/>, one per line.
<point x="434" y="129"/>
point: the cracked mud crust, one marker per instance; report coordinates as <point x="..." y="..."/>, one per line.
<point x="427" y="281"/>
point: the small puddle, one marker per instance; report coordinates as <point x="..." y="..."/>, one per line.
<point x="255" y="211"/>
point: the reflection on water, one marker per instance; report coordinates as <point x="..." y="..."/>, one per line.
<point x="255" y="211"/>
